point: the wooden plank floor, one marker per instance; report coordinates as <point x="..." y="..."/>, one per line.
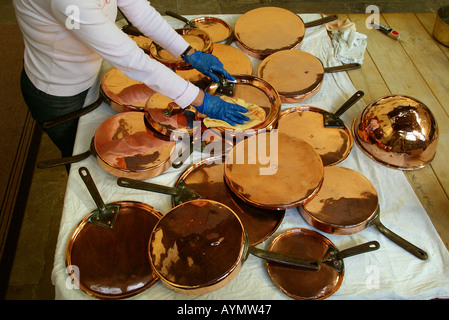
<point x="417" y="66"/>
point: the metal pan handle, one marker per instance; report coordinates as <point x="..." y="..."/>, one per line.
<point x="362" y="248"/>
<point x="146" y="186"/>
<point x="349" y="103"/>
<point x="281" y="258"/>
<point x="63" y="161"/>
<point x="179" y="17"/>
<point x="320" y="21"/>
<point x="344" y="67"/>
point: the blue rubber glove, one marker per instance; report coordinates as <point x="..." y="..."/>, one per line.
<point x="206" y="63"/>
<point x="216" y="108"/>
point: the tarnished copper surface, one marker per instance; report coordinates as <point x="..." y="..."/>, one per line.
<point x="113" y="263"/>
<point x="126" y="148"/>
<point x="296" y="75"/>
<point x="197" y="38"/>
<point x="217" y="29"/>
<point x="263" y="31"/>
<point x="345" y="204"/>
<point x="306" y="123"/>
<point x="197" y="247"/>
<point x="397" y="131"/>
<point x="252" y="89"/>
<point x="206" y="178"/>
<point x="125" y="94"/>
<point x="298" y="283"/>
<point x="234" y="61"/>
<point x="274" y="171"/>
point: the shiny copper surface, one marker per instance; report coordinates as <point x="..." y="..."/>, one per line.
<point x="252" y="89"/>
<point x="125" y="94"/>
<point x="142" y="42"/>
<point x="217" y="29"/>
<point x="296" y="75"/>
<point x="266" y="30"/>
<point x="197" y="247"/>
<point x="345" y="204"/>
<point x="298" y="283"/>
<point x="441" y="26"/>
<point x="397" y="131"/>
<point x="234" y="61"/>
<point x="126" y="148"/>
<point x="198" y="39"/>
<point x="206" y="178"/>
<point x="306" y="123"/>
<point x="292" y="175"/>
<point x="113" y="263"/>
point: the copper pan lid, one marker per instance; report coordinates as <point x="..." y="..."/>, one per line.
<point x="296" y="75"/>
<point x="306" y="123"/>
<point x="206" y="178"/>
<point x="125" y="147"/>
<point x="197" y="247"/>
<point x="263" y="31"/>
<point x="274" y="171"/>
<point x="125" y="93"/>
<point x="397" y="131"/>
<point x="218" y="29"/>
<point x="113" y="263"/>
<point x="345" y="204"/>
<point x="198" y="39"/>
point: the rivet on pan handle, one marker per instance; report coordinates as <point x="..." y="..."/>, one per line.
<point x="332" y="120"/>
<point x="334" y="258"/>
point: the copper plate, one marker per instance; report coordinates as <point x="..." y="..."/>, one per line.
<point x="298" y="283"/>
<point x="126" y="148"/>
<point x="296" y="75"/>
<point x="125" y="94"/>
<point x="197" y="38"/>
<point x="397" y="131"/>
<point x="197" y="247"/>
<point x="306" y="123"/>
<point x="263" y="31"/>
<point x="345" y="204"/>
<point x="217" y="29"/>
<point x="206" y="178"/>
<point x="113" y="263"/>
<point x="274" y="171"/>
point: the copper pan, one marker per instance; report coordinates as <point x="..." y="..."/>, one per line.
<point x="200" y="246"/>
<point x="197" y="38"/>
<point x="332" y="143"/>
<point x="205" y="179"/>
<point x="118" y="91"/>
<point x="218" y="29"/>
<point x="347" y="203"/>
<point x="274" y="171"/>
<point x="303" y="284"/>
<point x="266" y="30"/>
<point x="397" y="131"/>
<point x="107" y="252"/>
<point x="296" y="75"/>
<point x="124" y="146"/>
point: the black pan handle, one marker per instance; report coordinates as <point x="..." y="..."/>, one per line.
<point x="146" y="186"/>
<point x="321" y="21"/>
<point x="92" y="188"/>
<point x="177" y="16"/>
<point x="344" y="67"/>
<point x="349" y="103"/>
<point x="74" y="115"/>
<point x="362" y="248"/>
<point x="63" y="161"/>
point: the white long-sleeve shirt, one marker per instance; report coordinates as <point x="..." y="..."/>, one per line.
<point x="67" y="40"/>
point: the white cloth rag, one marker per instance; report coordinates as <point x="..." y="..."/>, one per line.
<point x="349" y="45"/>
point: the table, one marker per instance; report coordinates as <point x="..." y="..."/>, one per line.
<point x="406" y="199"/>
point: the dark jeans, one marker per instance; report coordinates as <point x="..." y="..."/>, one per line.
<point x="45" y="107"/>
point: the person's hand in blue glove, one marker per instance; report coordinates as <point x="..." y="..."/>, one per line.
<point x="216" y="108"/>
<point x="207" y="64"/>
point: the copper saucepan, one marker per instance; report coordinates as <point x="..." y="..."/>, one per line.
<point x="266" y="30"/>
<point x="274" y="171"/>
<point x="107" y="252"/>
<point x="397" y="131"/>
<point x="197" y="38"/>
<point x="124" y="146"/>
<point x="347" y="203"/>
<point x="331" y="139"/>
<point x="296" y="75"/>
<point x="118" y="91"/>
<point x="218" y="29"/>
<point x="200" y="246"/>
<point x="303" y="284"/>
<point x="205" y="180"/>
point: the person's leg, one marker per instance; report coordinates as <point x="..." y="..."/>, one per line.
<point x="45" y="107"/>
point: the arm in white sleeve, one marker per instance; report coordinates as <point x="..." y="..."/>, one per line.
<point x="100" y="34"/>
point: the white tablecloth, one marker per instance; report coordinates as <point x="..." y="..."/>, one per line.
<point x="388" y="273"/>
